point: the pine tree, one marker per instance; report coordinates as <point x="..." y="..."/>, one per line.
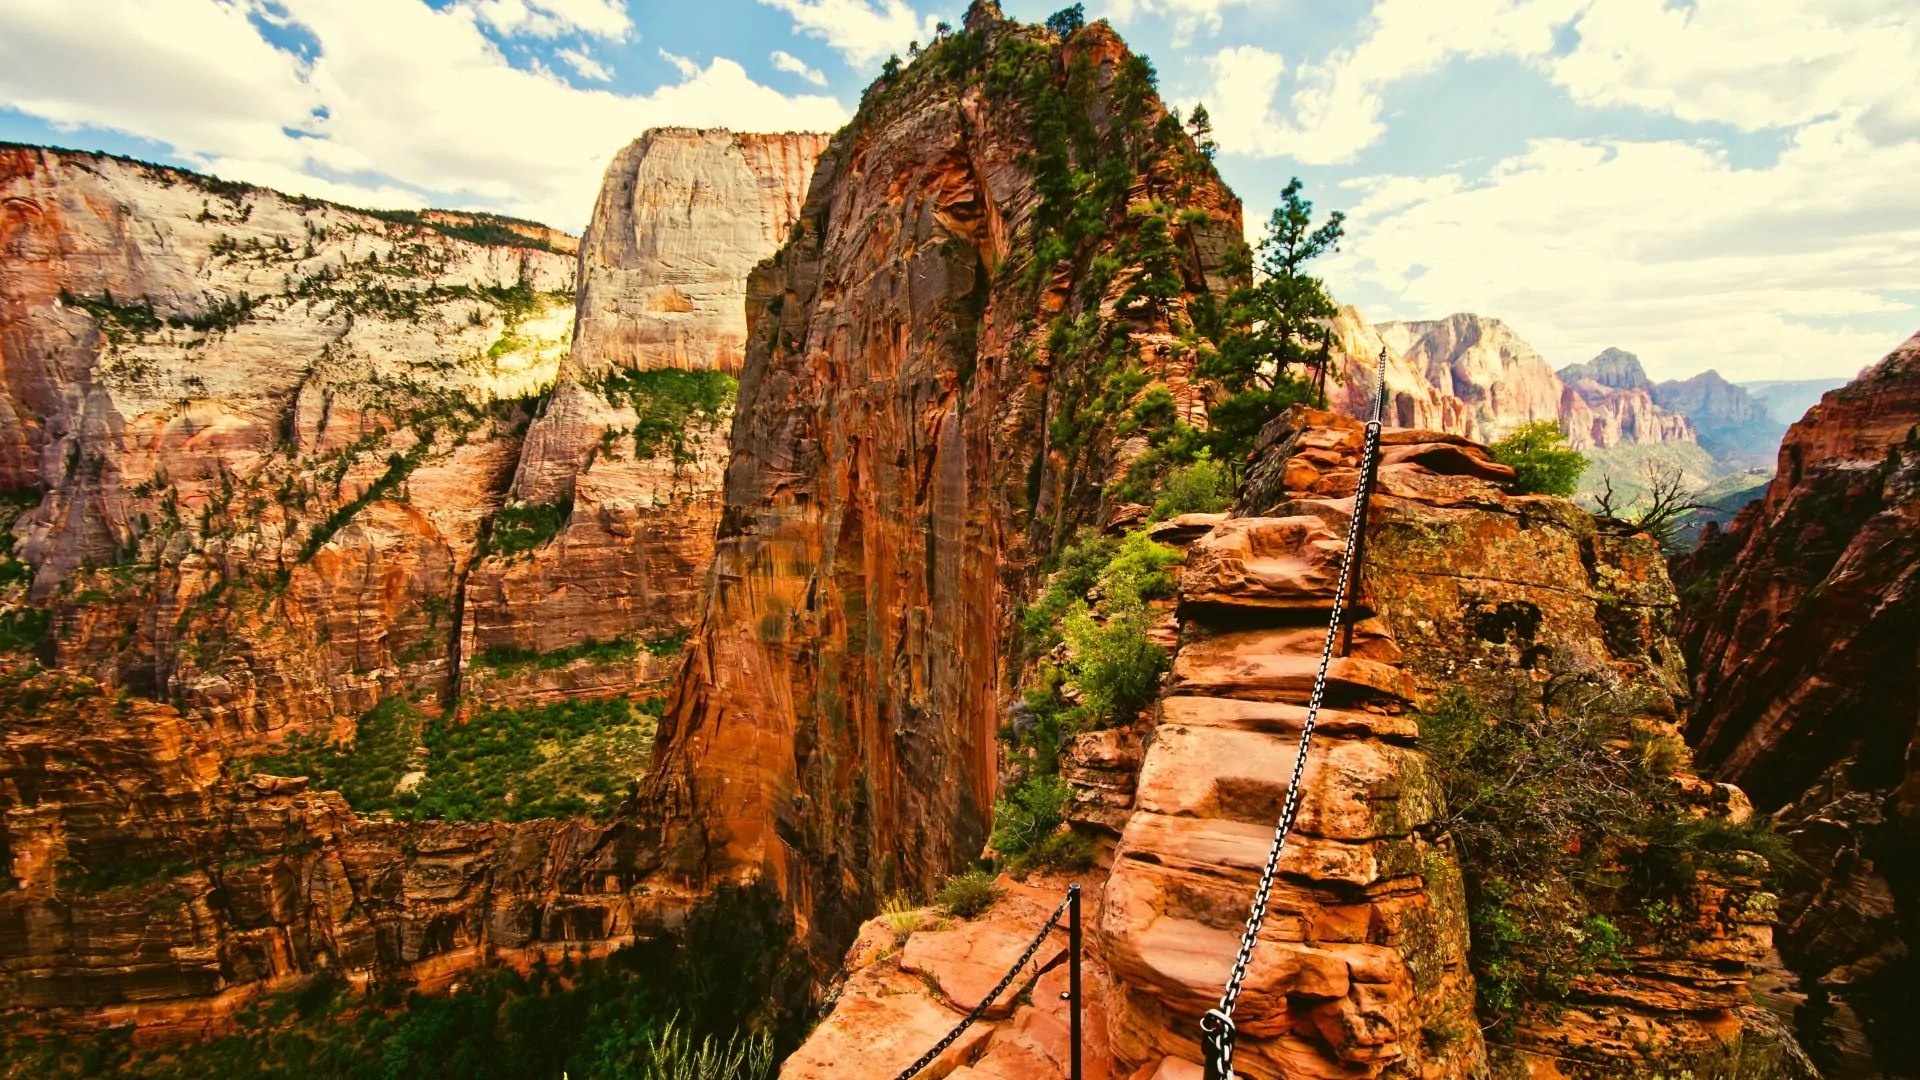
<point x="1200" y="126"/>
<point x="1269" y="332"/>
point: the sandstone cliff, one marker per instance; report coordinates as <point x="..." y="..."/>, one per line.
<point x="935" y="368"/>
<point x="627" y="455"/>
<point x="144" y="887"/>
<point x="1800" y="627"/>
<point x="262" y="435"/>
<point x="1365" y="966"/>
<point x="261" y="462"/>
<point x="1609" y="401"/>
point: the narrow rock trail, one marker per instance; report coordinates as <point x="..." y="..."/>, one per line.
<point x="1360" y="970"/>
<point x="1352" y="962"/>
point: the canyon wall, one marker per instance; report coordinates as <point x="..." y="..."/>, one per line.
<point x="917" y="423"/>
<point x="271" y="462"/>
<point x="1800" y="627"/>
<point x="630" y="447"/>
<point x="259" y="437"/>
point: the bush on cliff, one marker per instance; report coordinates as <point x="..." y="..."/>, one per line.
<point x="1542" y="462"/>
<point x="1573" y="837"/>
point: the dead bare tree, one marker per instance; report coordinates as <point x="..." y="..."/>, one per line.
<point x="1668" y="501"/>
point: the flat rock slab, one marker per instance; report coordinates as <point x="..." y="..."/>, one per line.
<point x="882" y="1023"/>
<point x="967" y="961"/>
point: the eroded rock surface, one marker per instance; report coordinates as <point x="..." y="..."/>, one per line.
<point x="894" y="453"/>
<point x="1800" y="624"/>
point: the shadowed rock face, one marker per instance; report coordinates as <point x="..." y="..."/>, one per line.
<point x="146" y="888"/>
<point x="892" y="473"/>
<point x="1801" y="623"/>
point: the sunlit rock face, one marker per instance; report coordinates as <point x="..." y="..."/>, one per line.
<point x="682" y="218"/>
<point x="893" y="475"/>
<point x="260" y="435"/>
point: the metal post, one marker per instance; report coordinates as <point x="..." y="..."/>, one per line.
<point x="1073" y="977"/>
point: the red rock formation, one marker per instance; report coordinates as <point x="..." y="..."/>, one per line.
<point x="1609" y="401"/>
<point x="1481" y="361"/>
<point x="682" y="217"/>
<point x="833" y="728"/>
<point x="1800" y="625"/>
<point x="144" y="888"/>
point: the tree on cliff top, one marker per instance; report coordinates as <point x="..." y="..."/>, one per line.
<point x="1542" y="462"/>
<point x="1269" y="331"/>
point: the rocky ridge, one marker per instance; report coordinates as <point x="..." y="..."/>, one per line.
<point x="1362" y="966"/>
<point x="261" y="461"/>
<point x="917" y="422"/>
<point x="1799" y="625"/>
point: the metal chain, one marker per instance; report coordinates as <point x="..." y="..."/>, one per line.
<point x="1217" y="1025"/>
<point x="980" y="1009"/>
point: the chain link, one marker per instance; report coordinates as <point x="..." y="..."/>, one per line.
<point x="1217" y="1025"/>
<point x="980" y="1009"/>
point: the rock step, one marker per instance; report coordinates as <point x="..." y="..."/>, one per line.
<point x="1352" y="790"/>
<point x="1280" y="665"/>
<point x="1281" y="717"/>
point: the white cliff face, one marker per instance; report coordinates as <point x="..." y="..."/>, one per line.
<point x="683" y="216"/>
<point x="1503" y="381"/>
<point x="264" y="433"/>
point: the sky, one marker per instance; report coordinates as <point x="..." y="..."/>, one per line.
<point x="1726" y="184"/>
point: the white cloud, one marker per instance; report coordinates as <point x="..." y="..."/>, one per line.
<point x="1750" y="63"/>
<point x="1336" y="104"/>
<point x="552" y="18"/>
<point x="585" y="66"/>
<point x="861" y="32"/>
<point x="1186" y="16"/>
<point x="415" y="99"/>
<point x="1664" y="248"/>
<point x="793" y="65"/>
<point x="687" y="68"/>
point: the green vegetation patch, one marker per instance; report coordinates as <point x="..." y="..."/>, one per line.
<point x="1543" y="463"/>
<point x="1575" y="841"/>
<point x="571" y="759"/>
<point x="721" y="999"/>
<point x="527" y="526"/>
<point x="487" y="230"/>
<point x="668" y="404"/>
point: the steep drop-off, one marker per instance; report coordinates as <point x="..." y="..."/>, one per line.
<point x="263" y="493"/>
<point x="1800" y="626"/>
<point x="626" y="457"/>
<point x="986" y="272"/>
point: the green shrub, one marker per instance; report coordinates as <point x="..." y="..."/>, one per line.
<point x="1542" y="462"/>
<point x="527" y="526"/>
<point x="1116" y="667"/>
<point x="668" y="404"/>
<point x="1572" y="835"/>
<point x="1025" y="817"/>
<point x="1200" y="488"/>
<point x="967" y="895"/>
<point x="671" y="1054"/>
<point x="23" y="629"/>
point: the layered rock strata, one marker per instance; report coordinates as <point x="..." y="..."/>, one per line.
<point x="897" y="449"/>
<point x="1800" y="624"/>
<point x="683" y="216"/>
<point x="145" y="888"/>
<point x="263" y="435"/>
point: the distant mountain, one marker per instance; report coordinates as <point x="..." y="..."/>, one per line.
<point x="1609" y="402"/>
<point x="1731" y="423"/>
<point x="1789" y="399"/>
